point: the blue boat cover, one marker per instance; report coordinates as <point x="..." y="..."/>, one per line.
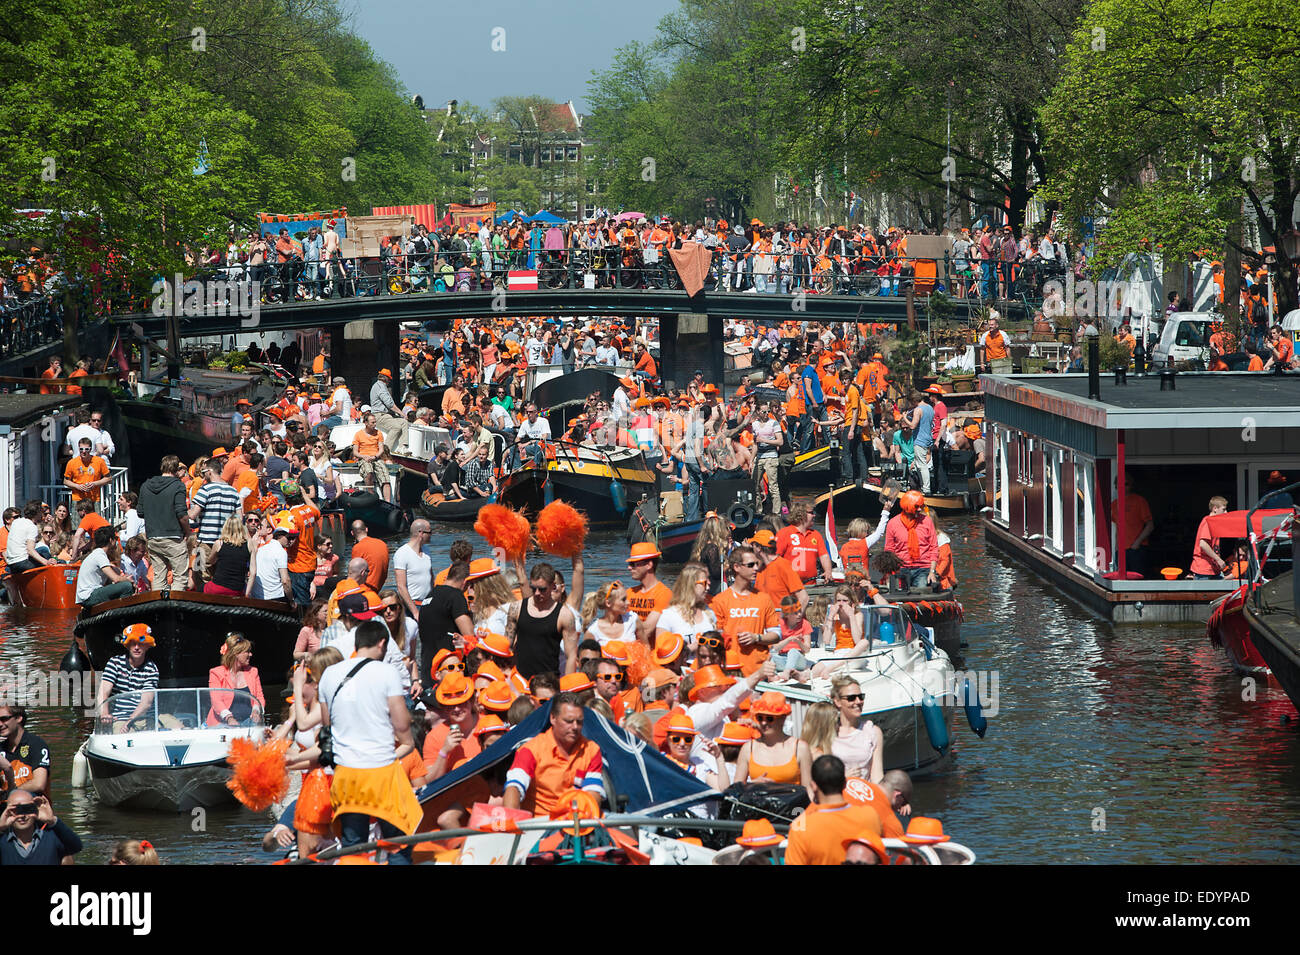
<point x="641" y="774"/>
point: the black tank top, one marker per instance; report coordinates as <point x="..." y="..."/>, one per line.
<point x="538" y="641"/>
<point x="230" y="569"/>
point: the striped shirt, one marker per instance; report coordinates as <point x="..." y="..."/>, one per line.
<point x="126" y="679"/>
<point x="218" y="501"/>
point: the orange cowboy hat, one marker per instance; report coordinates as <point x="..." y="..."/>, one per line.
<point x="758" y="834"/>
<point x="588" y="806"/>
<point x="708" y="677"/>
<point x="495" y="644"/>
<point x="616" y="651"/>
<point x="518" y="682"/>
<point x="660" y="401"/>
<point x="924" y="830"/>
<point x="763" y="538"/>
<point x="490" y="671"/>
<point x="643" y="551"/>
<point x="872" y="841"/>
<point x="709" y="389"/>
<point x="641" y="403"/>
<point x="482" y="567"/>
<point x="441" y="657"/>
<point x="139" y="633"/>
<point x="911" y="502"/>
<point x="735" y="734"/>
<point x="496" y="697"/>
<point x="490" y="723"/>
<point x="575" y="682"/>
<point x="218" y="453"/>
<point x="454" y="690"/>
<point x="385" y="373"/>
<point x="660" y="677"/>
<point x="668" y="647"/>
<point x="243" y="401"/>
<point x="682" y="725"/>
<point x="771" y="703"/>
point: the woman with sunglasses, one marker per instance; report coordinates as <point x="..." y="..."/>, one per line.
<point x="860" y="744"/>
<point x="710" y="649"/>
<point x="704" y="762"/>
<point x="323" y="467"/>
<point x="688" y="612"/>
<point x="775" y="757"/>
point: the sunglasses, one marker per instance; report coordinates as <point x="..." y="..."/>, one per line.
<point x="610" y="677"/>
<point x="749" y="563"/>
<point x="674" y="738"/>
<point x="715" y="643"/>
<point x="451" y="666"/>
<point x="539" y="589"/>
<point x="853" y="697"/>
<point x="390" y="608"/>
<point x="765" y="719"/>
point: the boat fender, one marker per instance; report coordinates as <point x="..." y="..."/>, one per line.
<point x="548" y="493"/>
<point x="618" y="495"/>
<point x="362" y="499"/>
<point x="979" y="725"/>
<point x="740" y="515"/>
<point x="74" y="661"/>
<point x="80" y="770"/>
<point x="935" y="727"/>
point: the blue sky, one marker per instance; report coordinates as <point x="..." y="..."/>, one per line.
<point x="443" y="50"/>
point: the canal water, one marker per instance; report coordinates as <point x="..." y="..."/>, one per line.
<point x="1114" y="744"/>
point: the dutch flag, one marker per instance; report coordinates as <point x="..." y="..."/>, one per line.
<point x="521" y="280"/>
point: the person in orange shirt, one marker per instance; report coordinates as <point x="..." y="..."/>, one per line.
<point x="82" y="370"/>
<point x="1138" y="526"/>
<point x="798" y="543"/>
<point x="817" y="836"/>
<point x="995" y="342"/>
<point x="944" y="568"/>
<point x="85" y="474"/>
<point x="453" y="739"/>
<point x="777" y="578"/>
<point x="248" y="482"/>
<point x="650" y="597"/>
<point x="555" y="761"/>
<point x="54" y="371"/>
<point x="302" y="551"/>
<point x="373" y="551"/>
<point x="747" y="618"/>
<point x="368" y="446"/>
<point x="645" y="361"/>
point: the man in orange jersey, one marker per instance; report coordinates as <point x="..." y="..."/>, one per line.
<point x="802" y="546"/>
<point x="777" y="577"/>
<point x="302" y="552"/>
<point x="650" y="597"/>
<point x="368" y="447"/>
<point x="555" y="761"/>
<point x="817" y="836"/>
<point x="747" y="618"/>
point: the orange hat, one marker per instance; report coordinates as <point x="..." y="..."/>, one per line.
<point x="684" y="401"/>
<point x="483" y="567"/>
<point x="138" y="632"/>
<point x="496" y="644"/>
<point x="641" y="403"/>
<point x="707" y="677"/>
<point x="710" y="389"/>
<point x="643" y="551"/>
<point x="496" y="697"/>
<point x="490" y="723"/>
<point x="441" y="657"/>
<point x="659" y="677"/>
<point x="911" y="502"/>
<point x="771" y="703"/>
<point x="733" y="658"/>
<point x="934" y="390"/>
<point x="218" y="453"/>
<point x="923" y="830"/>
<point x="629" y="383"/>
<point x="385" y="373"/>
<point x="758" y="834"/>
<point x="575" y="682"/>
<point x="877" y="356"/>
<point x="242" y="402"/>
<point x="763" y="538"/>
<point x="972" y="431"/>
<point x="661" y="401"/>
<point x="616" y="651"/>
<point x="588" y="807"/>
<point x="682" y="725"/>
<point x="518" y="682"/>
<point x="735" y="734"/>
<point x="490" y="670"/>
<point x="668" y="647"/>
<point x="872" y="841"/>
<point x="454" y="689"/>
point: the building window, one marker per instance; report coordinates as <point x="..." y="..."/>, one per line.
<point x="546" y="154"/>
<point x="591" y="187"/>
<point x="1053" y="534"/>
<point x="572" y="153"/>
<point x="1086" y="557"/>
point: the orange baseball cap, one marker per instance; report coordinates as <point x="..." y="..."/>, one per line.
<point x="454" y="689"/>
<point x="707" y="677"/>
<point x="575" y="682"/>
<point x="496" y="644"/>
<point x="872" y="841"/>
<point x="758" y="834"/>
<point x="643" y="551"/>
<point x="735" y="734"/>
<point x="771" y="703"/>
<point x="385" y="373"/>
<point x="660" y="677"/>
<point x="668" y="647"/>
<point x="496" y="697"/>
<point x="682" y="725"/>
<point x="616" y="651"/>
<point x="763" y="538"/>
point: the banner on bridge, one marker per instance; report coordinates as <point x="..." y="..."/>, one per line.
<point x="426" y="215"/>
<point x="468" y="217"/>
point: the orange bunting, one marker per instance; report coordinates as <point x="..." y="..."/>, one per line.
<point x="561" y="530"/>
<point x="259" y="777"/>
<point x="504" y="528"/>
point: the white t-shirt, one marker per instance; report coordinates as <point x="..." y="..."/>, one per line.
<point x="137" y="572"/>
<point x="271" y="559"/>
<point x="359" y="721"/>
<point x="419" y="571"/>
<point x="134" y="525"/>
<point x="500" y="418"/>
<point x="535" y="348"/>
<point x="629" y="631"/>
<point x="344" y="398"/>
<point x="672" y="621"/>
<point x="96" y="437"/>
<point x="495" y="622"/>
<point x="769" y="430"/>
<point x="20" y="532"/>
<point x="345" y="641"/>
<point x="91" y="574"/>
<point x="541" y="428"/>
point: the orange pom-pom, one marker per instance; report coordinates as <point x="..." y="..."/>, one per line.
<point x="260" y="777"/>
<point x="504" y="528"/>
<point x="640" y="663"/>
<point x="561" y="530"/>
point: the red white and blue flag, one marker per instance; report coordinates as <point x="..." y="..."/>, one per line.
<point x="832" y="546"/>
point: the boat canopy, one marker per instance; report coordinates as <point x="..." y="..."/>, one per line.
<point x="641" y="774"/>
<point x="1233" y="523"/>
<point x="179" y="708"/>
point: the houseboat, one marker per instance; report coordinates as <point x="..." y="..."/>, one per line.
<point x="1063" y="449"/>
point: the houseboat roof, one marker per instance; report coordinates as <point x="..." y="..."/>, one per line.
<point x="1198" y="401"/>
<point x="19" y="410"/>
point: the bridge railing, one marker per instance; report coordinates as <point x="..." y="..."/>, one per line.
<point x="30" y="323"/>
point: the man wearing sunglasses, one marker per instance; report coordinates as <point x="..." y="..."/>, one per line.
<point x="445" y="615"/>
<point x="452" y="740"/>
<point x="746" y="617"/>
<point x="541" y="628"/>
<point x="24" y="756"/>
<point x="32" y="834"/>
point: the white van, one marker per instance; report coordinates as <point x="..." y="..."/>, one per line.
<point x="1185" y="336"/>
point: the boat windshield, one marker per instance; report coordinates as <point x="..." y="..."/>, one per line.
<point x="874" y="616"/>
<point x="140" y="711"/>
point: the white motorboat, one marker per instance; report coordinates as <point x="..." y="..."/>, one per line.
<point x="171" y="758"/>
<point x="910" y="686"/>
